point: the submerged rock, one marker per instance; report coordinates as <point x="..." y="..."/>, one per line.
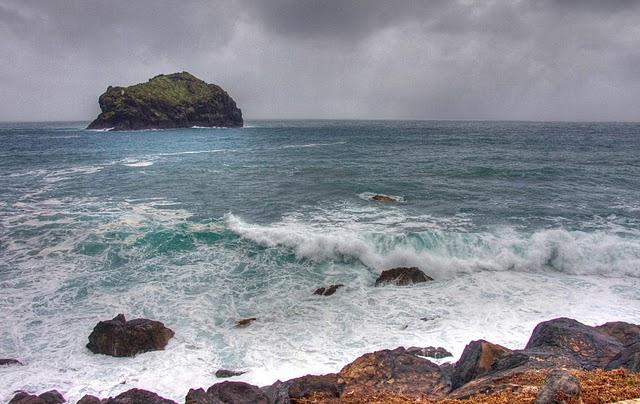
<point x="177" y="100"/>
<point x="588" y="346"/>
<point x="49" y="397"/>
<point x="327" y="291"/>
<point x="560" y="386"/>
<point x="402" y="276"/>
<point x="119" y="337"/>
<point x="224" y="373"/>
<point x="9" y="361"/>
<point x="133" y="396"/>
<point x="384" y="198"/>
<point x="245" y="322"/>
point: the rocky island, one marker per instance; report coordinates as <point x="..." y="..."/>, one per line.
<point x="178" y="100"/>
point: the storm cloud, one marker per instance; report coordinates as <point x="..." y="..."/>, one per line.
<point x="403" y="59"/>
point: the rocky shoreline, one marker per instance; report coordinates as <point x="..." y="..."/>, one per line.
<point x="563" y="361"/>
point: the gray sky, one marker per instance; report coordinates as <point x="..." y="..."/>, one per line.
<point x="400" y="59"/>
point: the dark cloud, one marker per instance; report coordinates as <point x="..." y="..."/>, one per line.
<point x="465" y="59"/>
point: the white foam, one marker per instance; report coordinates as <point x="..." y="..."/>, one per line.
<point x="306" y="145"/>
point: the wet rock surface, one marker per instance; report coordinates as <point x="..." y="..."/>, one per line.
<point x="402" y="276"/>
<point x="119" y="337"/>
<point x="245" y="322"/>
<point x="133" y="396"/>
<point x="228" y="392"/>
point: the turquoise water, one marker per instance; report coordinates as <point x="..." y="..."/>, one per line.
<point x="517" y="222"/>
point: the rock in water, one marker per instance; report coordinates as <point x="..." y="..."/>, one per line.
<point x="327" y="291"/>
<point x="177" y="100"/>
<point x="227" y="392"/>
<point x="119" y="337"/>
<point x="9" y="361"/>
<point x="224" y="373"/>
<point x="402" y="276"/>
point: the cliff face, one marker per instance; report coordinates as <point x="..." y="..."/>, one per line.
<point x="177" y="100"/>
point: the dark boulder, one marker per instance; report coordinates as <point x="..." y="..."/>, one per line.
<point x="589" y="347"/>
<point x="245" y="322"/>
<point x="49" y="397"/>
<point x="429" y="352"/>
<point x="628" y="358"/>
<point x="133" y="396"/>
<point x="626" y="333"/>
<point x="477" y="359"/>
<point x="559" y="387"/>
<point x="119" y="337"/>
<point x="393" y="371"/>
<point x="402" y="276"/>
<point x="9" y="361"/>
<point x="177" y="100"/>
<point x="224" y="373"/>
<point x="228" y="392"/>
<point x="327" y="291"/>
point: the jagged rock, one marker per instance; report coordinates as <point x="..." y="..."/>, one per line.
<point x="626" y="333"/>
<point x="559" y="387"/>
<point x="477" y="360"/>
<point x="224" y="373"/>
<point x="245" y="322"/>
<point x="228" y="392"/>
<point x="327" y="291"/>
<point x="402" y="276"/>
<point x="566" y="337"/>
<point x="49" y="397"/>
<point x="119" y="337"/>
<point x="177" y="100"/>
<point x="429" y="352"/>
<point x="393" y="371"/>
<point x="628" y="358"/>
<point x="9" y="361"/>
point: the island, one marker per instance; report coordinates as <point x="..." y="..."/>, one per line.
<point x="178" y="100"/>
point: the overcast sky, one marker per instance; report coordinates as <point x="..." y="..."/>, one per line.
<point x="400" y="59"/>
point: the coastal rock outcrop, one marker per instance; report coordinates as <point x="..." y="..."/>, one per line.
<point x="394" y="371"/>
<point x="49" y="397"/>
<point x="588" y="346"/>
<point x="178" y="100"/>
<point x="402" y="276"/>
<point x="429" y="352"/>
<point x="119" y="337"/>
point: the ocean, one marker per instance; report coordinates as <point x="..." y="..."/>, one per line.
<point x="517" y="222"/>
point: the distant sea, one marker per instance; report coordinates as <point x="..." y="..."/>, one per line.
<point x="517" y="222"/>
